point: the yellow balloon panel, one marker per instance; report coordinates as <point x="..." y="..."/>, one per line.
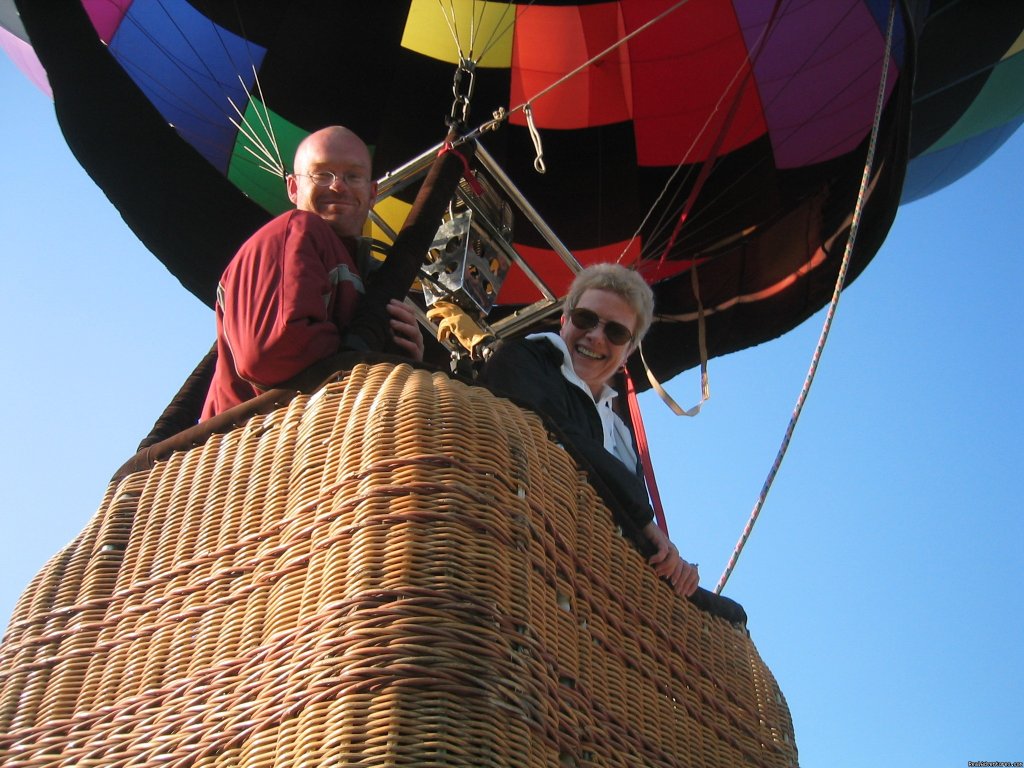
<point x="1016" y="48"/>
<point x="394" y="212"/>
<point x="484" y="31"/>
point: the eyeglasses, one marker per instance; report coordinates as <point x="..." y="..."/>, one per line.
<point x="585" y="319"/>
<point x="327" y="179"/>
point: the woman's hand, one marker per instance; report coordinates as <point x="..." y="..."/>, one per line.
<point x="681" y="575"/>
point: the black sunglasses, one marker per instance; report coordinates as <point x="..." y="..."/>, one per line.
<point x="585" y="319"/>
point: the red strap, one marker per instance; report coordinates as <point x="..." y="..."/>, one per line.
<point x="467" y="174"/>
<point x="645" y="453"/>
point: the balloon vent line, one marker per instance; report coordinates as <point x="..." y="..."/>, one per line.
<point x="830" y="315"/>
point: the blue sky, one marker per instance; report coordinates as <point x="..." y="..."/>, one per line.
<point x="883" y="580"/>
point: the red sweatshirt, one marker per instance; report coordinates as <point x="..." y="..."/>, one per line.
<point x="282" y="305"/>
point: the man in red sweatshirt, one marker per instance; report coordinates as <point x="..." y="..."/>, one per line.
<point x="286" y="298"/>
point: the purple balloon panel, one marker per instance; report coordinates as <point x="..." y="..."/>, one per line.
<point x="818" y="91"/>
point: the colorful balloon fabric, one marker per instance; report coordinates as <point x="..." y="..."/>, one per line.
<point x="724" y="137"/>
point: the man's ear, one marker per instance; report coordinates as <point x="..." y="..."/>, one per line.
<point x="293" y="188"/>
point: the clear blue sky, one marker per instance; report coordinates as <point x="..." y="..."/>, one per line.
<point x="883" y="581"/>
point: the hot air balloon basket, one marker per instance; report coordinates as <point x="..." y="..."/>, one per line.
<point x="399" y="570"/>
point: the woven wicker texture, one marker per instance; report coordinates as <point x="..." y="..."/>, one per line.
<point x="401" y="570"/>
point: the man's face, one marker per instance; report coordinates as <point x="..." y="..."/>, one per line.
<point x="344" y="204"/>
<point x="594" y="358"/>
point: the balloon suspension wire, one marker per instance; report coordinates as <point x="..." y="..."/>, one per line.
<point x="594" y="59"/>
<point x="272" y="162"/>
<point x="501" y="27"/>
<point x="267" y="160"/>
<point x="745" y="70"/>
<point x="830" y="315"/>
<point x="741" y="76"/>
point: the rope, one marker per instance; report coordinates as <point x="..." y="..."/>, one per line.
<point x="594" y="59"/>
<point x="702" y="176"/>
<point x="840" y="280"/>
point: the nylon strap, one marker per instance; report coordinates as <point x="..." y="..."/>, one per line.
<point x="644" y="450"/>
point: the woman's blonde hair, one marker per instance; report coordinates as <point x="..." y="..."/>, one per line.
<point x="619" y="280"/>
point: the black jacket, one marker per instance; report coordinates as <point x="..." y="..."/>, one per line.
<point x="529" y="372"/>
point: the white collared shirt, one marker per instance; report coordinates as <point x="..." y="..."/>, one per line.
<point x="617" y="438"/>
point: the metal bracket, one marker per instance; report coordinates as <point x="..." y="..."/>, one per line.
<point x="473" y="251"/>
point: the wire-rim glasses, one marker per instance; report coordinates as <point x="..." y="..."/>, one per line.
<point x="328" y="178"/>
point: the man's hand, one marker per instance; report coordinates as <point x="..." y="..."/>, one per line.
<point x="681" y="575"/>
<point x="405" y="330"/>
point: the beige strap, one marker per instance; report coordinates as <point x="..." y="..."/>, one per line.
<point x="702" y="343"/>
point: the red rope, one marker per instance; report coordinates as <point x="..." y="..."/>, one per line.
<point x="645" y="453"/>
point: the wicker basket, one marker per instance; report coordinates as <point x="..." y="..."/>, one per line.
<point x="400" y="570"/>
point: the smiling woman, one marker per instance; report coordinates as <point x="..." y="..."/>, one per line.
<point x="588" y="333"/>
<point x="607" y="312"/>
<point x="566" y="378"/>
